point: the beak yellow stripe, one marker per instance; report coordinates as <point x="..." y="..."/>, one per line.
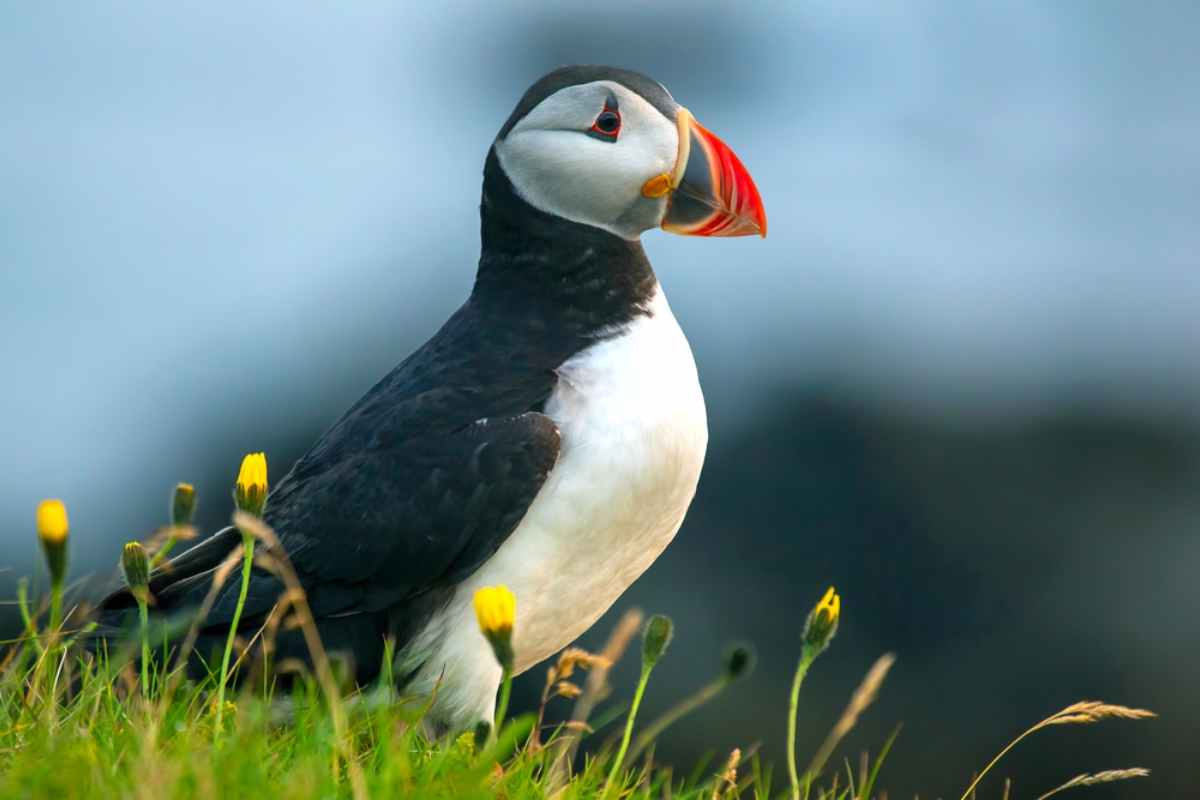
<point x="662" y="184"/>
<point x="683" y="120"/>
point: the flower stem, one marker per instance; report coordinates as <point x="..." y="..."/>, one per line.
<point x="502" y="703"/>
<point x="247" y="563"/>
<point x="144" y="621"/>
<point x="633" y="709"/>
<point x="56" y="593"/>
<point x="687" y="706"/>
<point x="806" y="658"/>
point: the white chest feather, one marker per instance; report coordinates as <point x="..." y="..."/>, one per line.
<point x="634" y="434"/>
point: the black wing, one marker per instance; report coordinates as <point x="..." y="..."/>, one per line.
<point x="419" y="512"/>
<point x="383" y="525"/>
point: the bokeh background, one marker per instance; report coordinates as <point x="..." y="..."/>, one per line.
<point x="959" y="380"/>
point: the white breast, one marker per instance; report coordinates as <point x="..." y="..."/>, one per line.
<point x="634" y="433"/>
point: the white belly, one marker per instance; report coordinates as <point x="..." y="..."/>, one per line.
<point x="634" y="433"/>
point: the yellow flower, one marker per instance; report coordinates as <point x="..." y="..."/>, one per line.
<point x="822" y="622"/>
<point x="183" y="503"/>
<point x="52" y="528"/>
<point x="52" y="523"/>
<point x="250" y="493"/>
<point x="496" y="610"/>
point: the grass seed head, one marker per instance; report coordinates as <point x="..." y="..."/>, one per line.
<point x="576" y="658"/>
<point x="727" y="780"/>
<point x="567" y="689"/>
<point x="1091" y="779"/>
<point x="1086" y="712"/>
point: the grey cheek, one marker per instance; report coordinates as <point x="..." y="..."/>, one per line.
<point x="645" y="213"/>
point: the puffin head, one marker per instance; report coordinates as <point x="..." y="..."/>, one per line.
<point x="611" y="148"/>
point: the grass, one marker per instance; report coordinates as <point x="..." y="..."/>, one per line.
<point x="78" y="721"/>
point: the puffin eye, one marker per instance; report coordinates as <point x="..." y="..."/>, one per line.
<point x="607" y="125"/>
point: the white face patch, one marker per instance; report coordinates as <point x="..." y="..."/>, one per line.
<point x="558" y="168"/>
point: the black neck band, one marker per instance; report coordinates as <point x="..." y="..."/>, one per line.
<point x="569" y="279"/>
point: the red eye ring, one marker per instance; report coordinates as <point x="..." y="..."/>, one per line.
<point x="607" y="124"/>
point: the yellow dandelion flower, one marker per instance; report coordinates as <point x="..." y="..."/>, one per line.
<point x="822" y="622"/>
<point x="52" y="525"/>
<point x="250" y="492"/>
<point x="496" y="611"/>
<point x="53" y="528"/>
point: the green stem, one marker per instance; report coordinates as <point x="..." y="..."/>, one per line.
<point x="806" y="659"/>
<point x="247" y="563"/>
<point x="163" y="552"/>
<point x="144" y="620"/>
<point x="673" y="715"/>
<point x="633" y="709"/>
<point x="502" y="703"/>
<point x="31" y="630"/>
<point x="56" y="592"/>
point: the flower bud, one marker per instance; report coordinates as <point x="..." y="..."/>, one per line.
<point x="739" y="662"/>
<point x="183" y="504"/>
<point x="655" y="639"/>
<point x="822" y="623"/>
<point x="136" y="568"/>
<point x="250" y="491"/>
<point x="53" y="529"/>
<point x="496" y="611"/>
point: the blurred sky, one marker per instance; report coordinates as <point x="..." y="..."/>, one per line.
<point x="220" y="224"/>
<point x="976" y="204"/>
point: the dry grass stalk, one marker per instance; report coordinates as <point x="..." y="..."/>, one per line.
<point x="1091" y="779"/>
<point x="595" y="689"/>
<point x="220" y="575"/>
<point x="1085" y="712"/>
<point x="862" y="698"/>
<point x="559" y="685"/>
<point x="312" y="639"/>
<point x="727" y="778"/>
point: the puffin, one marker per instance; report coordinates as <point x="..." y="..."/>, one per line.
<point x="548" y="437"/>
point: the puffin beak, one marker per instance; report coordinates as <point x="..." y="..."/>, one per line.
<point x="711" y="192"/>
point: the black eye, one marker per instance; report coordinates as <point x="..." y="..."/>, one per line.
<point x="608" y="122"/>
<point x="607" y="125"/>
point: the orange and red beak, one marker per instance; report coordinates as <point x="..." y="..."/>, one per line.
<point x="711" y="192"/>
